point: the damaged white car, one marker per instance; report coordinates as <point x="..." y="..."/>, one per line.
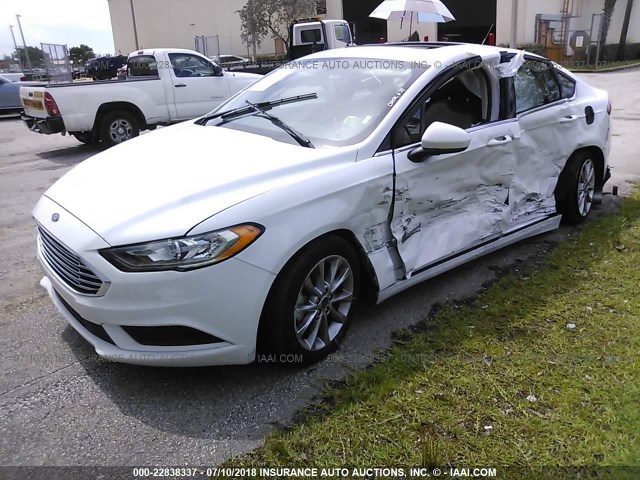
<point x="367" y="169"/>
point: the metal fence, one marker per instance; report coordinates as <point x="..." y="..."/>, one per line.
<point x="209" y="46"/>
<point x="56" y="61"/>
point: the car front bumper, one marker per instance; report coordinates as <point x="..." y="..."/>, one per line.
<point x="47" y="126"/>
<point x="223" y="301"/>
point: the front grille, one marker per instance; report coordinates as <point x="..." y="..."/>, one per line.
<point x="68" y="266"/>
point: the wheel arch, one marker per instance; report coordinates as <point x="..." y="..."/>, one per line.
<point x="369" y="282"/>
<point x="597" y="155"/>
<point x="128" y="107"/>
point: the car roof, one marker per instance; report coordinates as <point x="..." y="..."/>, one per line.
<point x="412" y="51"/>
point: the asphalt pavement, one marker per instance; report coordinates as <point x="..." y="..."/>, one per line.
<point x="61" y="405"/>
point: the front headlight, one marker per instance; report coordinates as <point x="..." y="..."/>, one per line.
<point x="184" y="253"/>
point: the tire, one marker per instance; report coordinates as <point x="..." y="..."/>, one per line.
<point x="297" y="286"/>
<point x="86" y="137"/>
<point x="118" y="127"/>
<point x="576" y="188"/>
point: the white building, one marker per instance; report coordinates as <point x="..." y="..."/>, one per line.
<point x="580" y="11"/>
<point x="171" y="23"/>
<point x="176" y="23"/>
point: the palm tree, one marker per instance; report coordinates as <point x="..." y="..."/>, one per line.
<point x="607" y="13"/>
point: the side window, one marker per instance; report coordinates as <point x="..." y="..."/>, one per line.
<point x="567" y="85"/>
<point x="343" y="33"/>
<point x="462" y="101"/>
<point x="142" y="66"/>
<point x="311" y="36"/>
<point x="187" y="65"/>
<point x="535" y="86"/>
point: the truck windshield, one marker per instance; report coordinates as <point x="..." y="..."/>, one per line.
<point x="350" y="98"/>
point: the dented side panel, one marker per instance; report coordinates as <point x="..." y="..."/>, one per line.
<point x="541" y="152"/>
<point x="449" y="202"/>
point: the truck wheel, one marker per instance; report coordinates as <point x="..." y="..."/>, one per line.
<point x="312" y="301"/>
<point x="576" y="188"/>
<point x="118" y="127"/>
<point x="86" y="137"/>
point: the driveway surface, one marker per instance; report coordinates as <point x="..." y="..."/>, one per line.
<point x="60" y="405"/>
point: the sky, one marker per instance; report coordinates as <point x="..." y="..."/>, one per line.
<point x="69" y="22"/>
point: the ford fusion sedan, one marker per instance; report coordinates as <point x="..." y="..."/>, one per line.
<point x="348" y="174"/>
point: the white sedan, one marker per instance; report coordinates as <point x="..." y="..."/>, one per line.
<point x="366" y="170"/>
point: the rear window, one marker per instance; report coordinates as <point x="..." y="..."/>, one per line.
<point x="311" y="36"/>
<point x="143" y="66"/>
<point x="567" y="85"/>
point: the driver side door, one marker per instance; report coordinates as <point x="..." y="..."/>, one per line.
<point x="199" y="85"/>
<point x="450" y="203"/>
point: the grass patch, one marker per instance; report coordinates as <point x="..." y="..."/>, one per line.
<point x="541" y="369"/>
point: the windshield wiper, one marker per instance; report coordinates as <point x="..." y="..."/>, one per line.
<point x="240" y="111"/>
<point x="297" y="136"/>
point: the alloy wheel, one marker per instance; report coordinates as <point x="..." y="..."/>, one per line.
<point x="323" y="303"/>
<point x="586" y="187"/>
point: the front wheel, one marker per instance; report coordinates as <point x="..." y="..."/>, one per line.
<point x="118" y="127"/>
<point x="576" y="189"/>
<point x="311" y="304"/>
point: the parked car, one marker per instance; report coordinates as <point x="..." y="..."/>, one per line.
<point x="356" y="172"/>
<point x="227" y="61"/>
<point x="10" y="95"/>
<point x="14" y="76"/>
<point x="122" y="73"/>
<point x="163" y="86"/>
<point x="105" y="68"/>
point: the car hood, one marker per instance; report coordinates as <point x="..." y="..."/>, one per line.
<point x="164" y="183"/>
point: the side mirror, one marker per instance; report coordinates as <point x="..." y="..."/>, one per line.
<point x="217" y="70"/>
<point x="439" y="139"/>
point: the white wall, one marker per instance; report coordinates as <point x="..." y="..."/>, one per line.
<point x="633" y="34"/>
<point x="582" y="9"/>
<point x="175" y="24"/>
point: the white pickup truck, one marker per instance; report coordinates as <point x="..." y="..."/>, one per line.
<point x="163" y="86"/>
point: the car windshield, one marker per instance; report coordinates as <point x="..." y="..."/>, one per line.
<point x="344" y="99"/>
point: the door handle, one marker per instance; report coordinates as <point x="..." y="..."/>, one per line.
<point x="500" y="141"/>
<point x="569" y="119"/>
<point x="180" y="85"/>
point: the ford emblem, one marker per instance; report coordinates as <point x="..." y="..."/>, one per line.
<point x="55" y="217"/>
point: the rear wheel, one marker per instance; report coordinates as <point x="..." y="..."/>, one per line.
<point x="118" y="127"/>
<point x="311" y="304"/>
<point x="576" y="188"/>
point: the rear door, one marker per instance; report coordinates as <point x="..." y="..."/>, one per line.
<point x="199" y="85"/>
<point x="549" y="123"/>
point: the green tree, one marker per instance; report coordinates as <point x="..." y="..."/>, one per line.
<point x="81" y="54"/>
<point x="260" y="18"/>
<point x="35" y="55"/>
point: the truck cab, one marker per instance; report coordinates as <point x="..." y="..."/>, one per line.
<point x="310" y="35"/>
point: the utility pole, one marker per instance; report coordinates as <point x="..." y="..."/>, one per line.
<point x="26" y="50"/>
<point x="16" y="46"/>
<point x="514" y="24"/>
<point x="135" y="27"/>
